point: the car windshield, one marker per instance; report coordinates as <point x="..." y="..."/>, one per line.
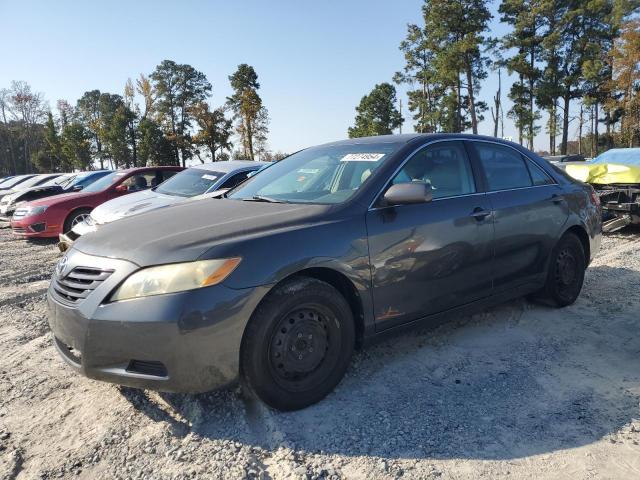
<point x="326" y="174"/>
<point x="189" y="183"/>
<point x="56" y="181"/>
<point x="104" y="182"/>
<point x="32" y="182"/>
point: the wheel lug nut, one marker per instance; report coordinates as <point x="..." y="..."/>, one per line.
<point x="299" y="335"/>
<point x="310" y="336"/>
<point x="299" y="357"/>
<point x="311" y="349"/>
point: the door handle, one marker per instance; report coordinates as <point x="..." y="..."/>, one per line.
<point x="480" y="213"/>
<point x="555" y="198"/>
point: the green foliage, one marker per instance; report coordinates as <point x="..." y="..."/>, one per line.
<point x="215" y="129"/>
<point x="49" y="158"/>
<point x="178" y="87"/>
<point x="445" y="58"/>
<point x="377" y="113"/>
<point x="76" y="146"/>
<point x="153" y="146"/>
<point x="252" y="119"/>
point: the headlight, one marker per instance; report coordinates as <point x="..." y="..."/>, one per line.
<point x="33" y="211"/>
<point x="175" y="277"/>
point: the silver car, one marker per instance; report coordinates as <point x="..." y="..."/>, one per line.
<point x="189" y="183"/>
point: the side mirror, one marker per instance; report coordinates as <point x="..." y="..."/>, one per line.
<point x="122" y="189"/>
<point x="77" y="188"/>
<point x="408" y="193"/>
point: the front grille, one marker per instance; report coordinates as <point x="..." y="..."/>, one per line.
<point x="79" y="283"/>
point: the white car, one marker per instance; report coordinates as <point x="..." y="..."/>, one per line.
<point x="22" y="182"/>
<point x="188" y="184"/>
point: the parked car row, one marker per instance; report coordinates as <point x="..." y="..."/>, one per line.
<point x="63" y="183"/>
<point x="188" y="286"/>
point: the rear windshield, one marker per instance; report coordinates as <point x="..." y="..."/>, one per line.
<point x="327" y="174"/>
<point x="189" y="183"/>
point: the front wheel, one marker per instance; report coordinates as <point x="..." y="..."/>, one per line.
<point x="298" y="344"/>
<point x="76" y="217"/>
<point x="566" y="271"/>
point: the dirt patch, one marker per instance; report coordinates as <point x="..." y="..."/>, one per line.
<point x="520" y="390"/>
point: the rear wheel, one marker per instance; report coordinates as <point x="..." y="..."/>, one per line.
<point x="298" y="344"/>
<point x="566" y="272"/>
<point x="75" y="217"/>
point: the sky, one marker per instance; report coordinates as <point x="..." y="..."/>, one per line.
<point x="315" y="60"/>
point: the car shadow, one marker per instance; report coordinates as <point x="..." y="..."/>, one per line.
<point x="513" y="381"/>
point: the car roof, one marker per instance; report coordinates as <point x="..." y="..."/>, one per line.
<point x="229" y="166"/>
<point x="152" y="167"/>
<point x="419" y="138"/>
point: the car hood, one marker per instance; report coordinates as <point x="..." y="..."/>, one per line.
<point x="62" y="198"/>
<point x="185" y="231"/>
<point x="132" y="204"/>
<point x="15" y="195"/>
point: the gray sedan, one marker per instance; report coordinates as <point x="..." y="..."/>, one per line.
<point x="321" y="253"/>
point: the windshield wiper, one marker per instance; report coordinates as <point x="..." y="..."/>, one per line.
<point x="262" y="198"/>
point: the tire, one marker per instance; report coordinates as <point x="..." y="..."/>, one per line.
<point x="297" y="344"/>
<point x="75" y="217"/>
<point x="566" y="272"/>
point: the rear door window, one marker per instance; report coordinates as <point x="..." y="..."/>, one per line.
<point x="503" y="166"/>
<point x="538" y="176"/>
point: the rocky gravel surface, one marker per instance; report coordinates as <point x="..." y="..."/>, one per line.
<point x="517" y="391"/>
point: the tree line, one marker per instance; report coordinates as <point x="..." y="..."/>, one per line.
<point x="173" y="123"/>
<point x="563" y="54"/>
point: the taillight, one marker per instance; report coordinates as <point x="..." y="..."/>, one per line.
<point x="594" y="197"/>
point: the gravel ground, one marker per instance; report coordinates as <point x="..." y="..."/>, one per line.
<point x="520" y="391"/>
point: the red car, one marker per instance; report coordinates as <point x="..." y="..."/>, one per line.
<point x="52" y="216"/>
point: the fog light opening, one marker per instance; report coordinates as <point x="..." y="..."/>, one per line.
<point x="147" y="367"/>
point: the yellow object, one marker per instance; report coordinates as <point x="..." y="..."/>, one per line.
<point x="604" y="173"/>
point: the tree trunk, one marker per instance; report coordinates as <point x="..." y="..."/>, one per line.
<point x="565" y="122"/>
<point x="591" y="130"/>
<point x="531" y="117"/>
<point x="134" y="149"/>
<point x="496" y="101"/>
<point x="458" y="126"/>
<point x="472" y="105"/>
<point x="580" y="123"/>
<point x="250" y="139"/>
<point x="595" y="131"/>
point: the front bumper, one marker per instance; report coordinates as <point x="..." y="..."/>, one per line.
<point x="35" y="226"/>
<point x="182" y="342"/>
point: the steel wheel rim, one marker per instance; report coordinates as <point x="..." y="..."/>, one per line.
<point x="566" y="272"/>
<point x="302" y="346"/>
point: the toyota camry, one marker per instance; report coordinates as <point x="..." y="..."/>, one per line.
<point x="278" y="282"/>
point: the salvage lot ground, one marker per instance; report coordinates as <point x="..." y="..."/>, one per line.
<point x="519" y="391"/>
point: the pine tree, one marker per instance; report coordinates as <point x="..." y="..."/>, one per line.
<point x="251" y="116"/>
<point x="377" y="113"/>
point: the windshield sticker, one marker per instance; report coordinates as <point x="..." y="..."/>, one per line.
<point x="309" y="170"/>
<point x="206" y="176"/>
<point x="362" y="157"/>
